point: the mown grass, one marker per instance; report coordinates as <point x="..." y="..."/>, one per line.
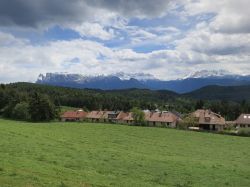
<point x="81" y="154"/>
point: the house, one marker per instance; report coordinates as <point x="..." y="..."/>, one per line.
<point x="120" y="117"/>
<point x="208" y="120"/>
<point x="243" y="121"/>
<point x="128" y="119"/>
<point x="78" y="115"/>
<point x="95" y="116"/>
<point x="161" y="119"/>
<point x="110" y="116"/>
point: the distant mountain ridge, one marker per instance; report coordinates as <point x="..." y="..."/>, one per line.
<point x="122" y="80"/>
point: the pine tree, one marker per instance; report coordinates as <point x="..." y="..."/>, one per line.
<point x="41" y="108"/>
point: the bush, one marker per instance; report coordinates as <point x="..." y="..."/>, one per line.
<point x="139" y="116"/>
<point x="182" y="125"/>
<point x="21" y="111"/>
<point x="187" y="122"/>
<point x="244" y="132"/>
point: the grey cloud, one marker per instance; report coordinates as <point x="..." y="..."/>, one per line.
<point x="33" y="13"/>
<point x="229" y="50"/>
<point x="133" y="7"/>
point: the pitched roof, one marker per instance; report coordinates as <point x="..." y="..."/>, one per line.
<point x="128" y="117"/>
<point x="74" y="114"/>
<point x="95" y="114"/>
<point x="110" y="114"/>
<point x="106" y="114"/>
<point x="163" y="116"/>
<point x="209" y="117"/>
<point x="121" y="115"/>
<point x="243" y="119"/>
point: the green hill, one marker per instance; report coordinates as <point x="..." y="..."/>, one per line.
<point x="231" y="93"/>
<point x="75" y="154"/>
<point x="111" y="100"/>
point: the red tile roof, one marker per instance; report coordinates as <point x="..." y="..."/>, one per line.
<point x="74" y="114"/>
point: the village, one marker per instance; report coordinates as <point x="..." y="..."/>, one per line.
<point x="202" y="119"/>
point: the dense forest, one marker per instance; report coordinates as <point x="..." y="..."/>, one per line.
<point x="36" y="102"/>
<point x="229" y="93"/>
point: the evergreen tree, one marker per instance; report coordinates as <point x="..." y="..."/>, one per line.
<point x="199" y="104"/>
<point x="41" y="108"/>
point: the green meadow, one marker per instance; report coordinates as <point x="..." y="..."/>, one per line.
<point x="84" y="155"/>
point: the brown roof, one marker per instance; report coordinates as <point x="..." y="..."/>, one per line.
<point x="121" y="115"/>
<point x="208" y="117"/>
<point x="128" y="117"/>
<point x="105" y="114"/>
<point x="243" y="119"/>
<point x="74" y="114"/>
<point x="95" y="114"/>
<point x="161" y="117"/>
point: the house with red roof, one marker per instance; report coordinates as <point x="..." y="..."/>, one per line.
<point x="161" y="119"/>
<point x="78" y="115"/>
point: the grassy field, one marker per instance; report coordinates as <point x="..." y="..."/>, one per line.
<point x="80" y="154"/>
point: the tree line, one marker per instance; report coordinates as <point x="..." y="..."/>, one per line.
<point x="34" y="102"/>
<point x="26" y="106"/>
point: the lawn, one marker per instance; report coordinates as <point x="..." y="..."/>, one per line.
<point x="81" y="154"/>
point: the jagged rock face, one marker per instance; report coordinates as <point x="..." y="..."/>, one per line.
<point x="122" y="80"/>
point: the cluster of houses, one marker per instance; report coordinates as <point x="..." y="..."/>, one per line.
<point x="152" y="118"/>
<point x="205" y="119"/>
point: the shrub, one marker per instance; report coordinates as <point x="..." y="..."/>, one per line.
<point x="139" y="116"/>
<point x="21" y="111"/>
<point x="244" y="132"/>
<point x="188" y="121"/>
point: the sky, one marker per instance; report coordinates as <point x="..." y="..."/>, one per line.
<point x="166" y="38"/>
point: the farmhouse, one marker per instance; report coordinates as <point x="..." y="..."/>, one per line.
<point x="161" y="119"/>
<point x="208" y="120"/>
<point x="128" y="119"/>
<point x="243" y="121"/>
<point x="120" y="117"/>
<point x="78" y="115"/>
<point x="95" y="116"/>
<point x="110" y="116"/>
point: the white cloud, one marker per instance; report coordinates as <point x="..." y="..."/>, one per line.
<point x="230" y="16"/>
<point x="23" y="62"/>
<point x="221" y="42"/>
<point x="95" y="30"/>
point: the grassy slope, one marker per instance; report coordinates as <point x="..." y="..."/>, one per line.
<point x="72" y="154"/>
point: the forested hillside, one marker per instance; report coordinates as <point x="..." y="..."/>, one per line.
<point x="228" y="101"/>
<point x="231" y="93"/>
<point x="111" y="100"/>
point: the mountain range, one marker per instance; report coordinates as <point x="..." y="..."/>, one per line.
<point x="122" y="80"/>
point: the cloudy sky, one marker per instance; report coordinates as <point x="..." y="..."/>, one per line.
<point x="166" y="38"/>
